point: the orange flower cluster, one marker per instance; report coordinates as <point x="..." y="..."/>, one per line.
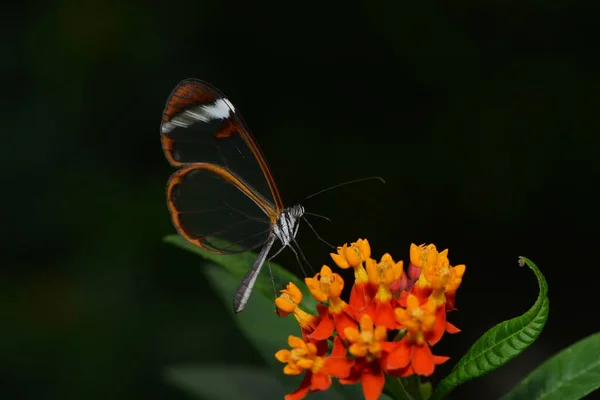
<point x="388" y="325"/>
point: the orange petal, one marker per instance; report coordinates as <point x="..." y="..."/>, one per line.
<point x="338" y="367"/>
<point x="400" y="356"/>
<point x="326" y="271"/>
<point x="359" y="296"/>
<point x="305" y="363"/>
<point x="388" y="347"/>
<point x="366" y="323"/>
<point x="343" y="321"/>
<point x="451" y="328"/>
<point x="325" y="328"/>
<point x="320" y="381"/>
<point x="292" y="290"/>
<point x="314" y="288"/>
<point x="338" y="349"/>
<point x="284" y="307"/>
<point x="437" y="360"/>
<point x="283" y="355"/>
<point x="340" y="261"/>
<point x="353" y="255"/>
<point x="415" y="254"/>
<point x="292" y="369"/>
<point x="372" y="382"/>
<point x="372" y="271"/>
<point x="380" y="334"/>
<point x="365" y="248"/>
<point x="402" y="299"/>
<point x="302" y="391"/>
<point x="439" y="328"/>
<point x="412" y="301"/>
<point x="384" y="315"/>
<point x="422" y="360"/>
<point x="295" y="342"/>
<point x="358" y="350"/>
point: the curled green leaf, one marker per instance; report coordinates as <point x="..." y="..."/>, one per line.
<point x="501" y="343"/>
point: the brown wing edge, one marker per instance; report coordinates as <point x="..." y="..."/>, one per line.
<point x="189" y="92"/>
<point x="178" y="178"/>
<point x="186" y="93"/>
<point x="194" y="91"/>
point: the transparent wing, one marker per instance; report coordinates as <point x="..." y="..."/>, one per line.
<point x="217" y="210"/>
<point x="199" y="124"/>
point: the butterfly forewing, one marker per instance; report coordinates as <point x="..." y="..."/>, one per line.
<point x="223" y="197"/>
<point x="200" y="124"/>
<point x="210" y="208"/>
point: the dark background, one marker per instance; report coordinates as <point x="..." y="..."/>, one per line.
<point x="483" y="119"/>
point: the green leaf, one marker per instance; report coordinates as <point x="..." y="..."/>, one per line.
<point x="426" y="390"/>
<point x="267" y="332"/>
<point x="226" y="382"/>
<point x="258" y="322"/>
<point x="501" y="343"/>
<point x="570" y="374"/>
<point x="238" y="265"/>
<point x="404" y="388"/>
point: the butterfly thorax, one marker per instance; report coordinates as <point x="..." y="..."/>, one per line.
<point x="287" y="223"/>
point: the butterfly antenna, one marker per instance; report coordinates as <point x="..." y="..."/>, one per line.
<point x="318" y="215"/>
<point x="380" y="179"/>
<point x="316" y="234"/>
<point x="298" y="259"/>
<point x="304" y="257"/>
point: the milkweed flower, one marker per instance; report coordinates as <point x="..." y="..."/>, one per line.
<point x="412" y="354"/>
<point x="309" y="357"/>
<point x="355" y="256"/>
<point x="367" y="346"/>
<point x="289" y="303"/>
<point x="381" y="275"/>
<point x="437" y="279"/>
<point x="327" y="286"/>
<point x="388" y="327"/>
<point x="455" y="281"/>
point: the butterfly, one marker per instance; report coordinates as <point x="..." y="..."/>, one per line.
<point x="223" y="197"/>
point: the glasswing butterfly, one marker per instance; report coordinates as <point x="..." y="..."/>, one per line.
<point x="223" y="197"/>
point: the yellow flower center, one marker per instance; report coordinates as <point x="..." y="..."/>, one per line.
<point x="366" y="337"/>
<point x="367" y="342"/>
<point x="417" y="313"/>
<point x="301" y="357"/>
<point x="353" y="255"/>
<point x="289" y="299"/>
<point x="385" y="272"/>
<point x="417" y="319"/>
<point x="337" y="305"/>
<point x="325" y="285"/>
